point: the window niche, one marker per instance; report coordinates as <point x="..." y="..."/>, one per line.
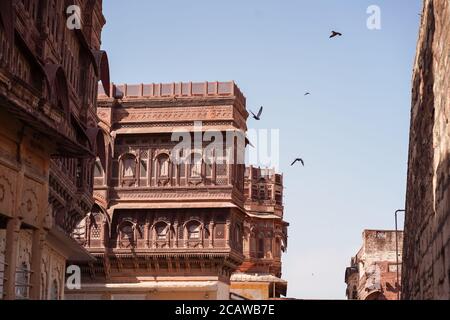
<point x="161" y="231"/>
<point x="194" y="231"/>
<point x="126" y="235"/>
<point x="163" y="169"/>
<point x="128" y="170"/>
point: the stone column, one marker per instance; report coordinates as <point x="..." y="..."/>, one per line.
<point x="12" y="241"/>
<point x="36" y="263"/>
<point x="211" y="233"/>
<point x="227" y="232"/>
<point x="138" y="168"/>
<point x="175" y="226"/>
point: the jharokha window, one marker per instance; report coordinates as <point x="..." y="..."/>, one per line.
<point x="194" y="229"/>
<point x="126" y="234"/>
<point x="161" y="230"/>
<point x="163" y="162"/>
<point x="129" y="166"/>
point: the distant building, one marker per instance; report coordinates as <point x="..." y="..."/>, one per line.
<point x="372" y="274"/>
<point x="265" y="237"/>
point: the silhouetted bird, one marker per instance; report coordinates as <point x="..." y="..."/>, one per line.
<point x="298" y="160"/>
<point x="335" y="34"/>
<point x="257" y="117"/>
<point x="307" y="94"/>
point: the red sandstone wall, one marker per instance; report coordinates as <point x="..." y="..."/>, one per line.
<point x="426" y="263"/>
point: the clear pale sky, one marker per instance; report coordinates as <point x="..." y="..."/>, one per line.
<point x="352" y="131"/>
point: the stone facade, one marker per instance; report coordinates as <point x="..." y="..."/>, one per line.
<point x="426" y="264"/>
<point x="48" y="142"/>
<point x="265" y="237"/>
<point x="163" y="229"/>
<point x="92" y="182"/>
<point x="372" y="274"/>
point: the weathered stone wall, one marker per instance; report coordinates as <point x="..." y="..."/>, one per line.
<point x="372" y="274"/>
<point x="426" y="263"/>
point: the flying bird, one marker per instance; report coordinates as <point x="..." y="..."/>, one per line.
<point x="335" y="34"/>
<point x="307" y="94"/>
<point x="257" y="117"/>
<point x="298" y="160"/>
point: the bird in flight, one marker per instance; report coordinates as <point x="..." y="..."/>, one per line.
<point x="298" y="160"/>
<point x="307" y="94"/>
<point x="257" y="117"/>
<point x="335" y="34"/>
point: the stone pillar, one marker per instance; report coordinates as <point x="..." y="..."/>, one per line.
<point x="175" y="227"/>
<point x="185" y="236"/>
<point x="138" y="168"/>
<point x="211" y="233"/>
<point x="12" y="241"/>
<point x="36" y="263"/>
<point x="227" y="232"/>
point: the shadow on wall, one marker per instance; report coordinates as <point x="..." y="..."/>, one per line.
<point x="419" y="196"/>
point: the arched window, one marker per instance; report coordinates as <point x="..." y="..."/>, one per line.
<point x="129" y="166"/>
<point x="163" y="162"/>
<point x="126" y="234"/>
<point x="194" y="229"/>
<point x="98" y="169"/>
<point x="54" y="290"/>
<point x="161" y="231"/>
<point x="196" y="165"/>
<point x="22" y="281"/>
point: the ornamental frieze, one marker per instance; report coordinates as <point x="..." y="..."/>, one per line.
<point x="153" y="194"/>
<point x="174" y="114"/>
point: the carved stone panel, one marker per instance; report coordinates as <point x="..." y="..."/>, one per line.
<point x="7" y="191"/>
